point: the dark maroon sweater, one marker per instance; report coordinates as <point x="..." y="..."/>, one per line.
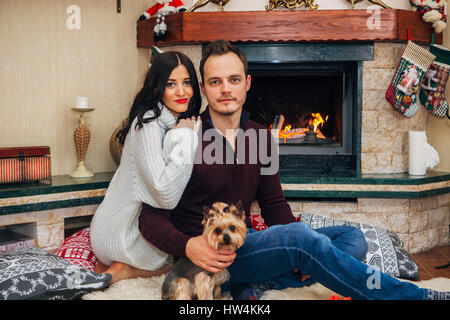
<point x="169" y="230"/>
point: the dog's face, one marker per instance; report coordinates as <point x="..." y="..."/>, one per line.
<point x="224" y="225"/>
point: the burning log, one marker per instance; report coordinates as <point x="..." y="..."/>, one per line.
<point x="278" y="122"/>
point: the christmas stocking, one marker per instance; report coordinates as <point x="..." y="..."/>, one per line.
<point x="401" y="93"/>
<point x="155" y="52"/>
<point x="432" y="93"/>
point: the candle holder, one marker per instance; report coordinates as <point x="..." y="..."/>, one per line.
<point x="81" y="137"/>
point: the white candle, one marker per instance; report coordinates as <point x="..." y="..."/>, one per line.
<point x="417" y="140"/>
<point x="82" y="102"/>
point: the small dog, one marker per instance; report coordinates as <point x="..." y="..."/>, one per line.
<point x="224" y="228"/>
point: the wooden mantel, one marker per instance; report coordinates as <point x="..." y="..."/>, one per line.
<point x="289" y="26"/>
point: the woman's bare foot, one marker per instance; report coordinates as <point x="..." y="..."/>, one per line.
<point x="121" y="271"/>
<point x="100" y="268"/>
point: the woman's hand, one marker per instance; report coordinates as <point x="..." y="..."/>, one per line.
<point x="192" y="123"/>
<point x="203" y="255"/>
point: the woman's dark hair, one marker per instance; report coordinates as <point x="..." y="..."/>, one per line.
<point x="153" y="91"/>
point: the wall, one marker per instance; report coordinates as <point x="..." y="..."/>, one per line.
<point x="385" y="132"/>
<point x="384" y="141"/>
<point x="438" y="129"/>
<point x="44" y="66"/>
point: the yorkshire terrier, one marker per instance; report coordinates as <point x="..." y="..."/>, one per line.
<point x="224" y="227"/>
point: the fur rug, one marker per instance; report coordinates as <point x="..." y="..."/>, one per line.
<point x="150" y="289"/>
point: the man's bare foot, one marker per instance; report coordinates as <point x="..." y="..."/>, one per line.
<point x="121" y="271"/>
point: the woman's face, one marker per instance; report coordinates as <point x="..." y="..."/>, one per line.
<point x="178" y="91"/>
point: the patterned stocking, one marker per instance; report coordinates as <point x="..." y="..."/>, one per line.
<point x="401" y="93"/>
<point x="432" y="94"/>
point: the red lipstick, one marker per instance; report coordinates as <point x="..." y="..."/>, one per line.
<point x="182" y="101"/>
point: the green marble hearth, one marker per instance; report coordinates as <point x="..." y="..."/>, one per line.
<point x="58" y="184"/>
<point x="64" y="191"/>
<point x="390" y="186"/>
<point x="372" y="178"/>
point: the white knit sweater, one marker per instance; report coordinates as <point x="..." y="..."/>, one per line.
<point x="155" y="168"/>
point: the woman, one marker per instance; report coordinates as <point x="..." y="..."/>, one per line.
<point x="156" y="164"/>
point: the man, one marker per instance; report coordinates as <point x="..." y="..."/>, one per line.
<point x="285" y="254"/>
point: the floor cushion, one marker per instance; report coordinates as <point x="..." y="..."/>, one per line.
<point x="33" y="273"/>
<point x="77" y="249"/>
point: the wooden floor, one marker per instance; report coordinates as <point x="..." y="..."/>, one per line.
<point x="428" y="260"/>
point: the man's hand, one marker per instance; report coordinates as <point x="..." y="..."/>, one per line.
<point x="203" y="255"/>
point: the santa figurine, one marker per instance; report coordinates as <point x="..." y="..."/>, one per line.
<point x="409" y="82"/>
<point x="161" y="9"/>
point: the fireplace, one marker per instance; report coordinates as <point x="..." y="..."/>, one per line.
<point x="310" y="96"/>
<point x="377" y="191"/>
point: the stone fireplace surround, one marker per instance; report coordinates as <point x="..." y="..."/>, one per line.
<point x="381" y="193"/>
<point x="421" y="220"/>
<point x="416" y="208"/>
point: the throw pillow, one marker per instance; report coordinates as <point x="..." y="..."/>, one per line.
<point x="385" y="249"/>
<point x="33" y="273"/>
<point x="77" y="249"/>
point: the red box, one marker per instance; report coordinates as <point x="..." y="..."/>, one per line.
<point x="24" y="164"/>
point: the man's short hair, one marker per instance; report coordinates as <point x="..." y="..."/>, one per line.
<point x="221" y="47"/>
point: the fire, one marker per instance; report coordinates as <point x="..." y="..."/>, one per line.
<point x="287" y="132"/>
<point x="317" y="120"/>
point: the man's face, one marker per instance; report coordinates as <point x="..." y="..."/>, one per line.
<point x="225" y="84"/>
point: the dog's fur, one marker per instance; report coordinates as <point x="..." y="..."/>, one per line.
<point x="224" y="228"/>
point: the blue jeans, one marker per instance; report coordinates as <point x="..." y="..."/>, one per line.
<point x="331" y="256"/>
